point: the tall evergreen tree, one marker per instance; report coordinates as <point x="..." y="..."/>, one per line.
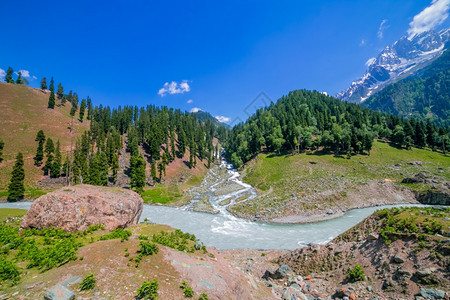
<point x="44" y="83"/>
<point x="89" y="108"/>
<point x="2" y="145"/>
<point x="9" y="76"/>
<point x="40" y="138"/>
<point x="115" y="167"/>
<point x="52" y="85"/>
<point x="55" y="170"/>
<point x="16" y="188"/>
<point x="51" y="100"/>
<point x="137" y="173"/>
<point x="19" y="79"/>
<point x="153" y="171"/>
<point x="39" y="157"/>
<point x="82" y="109"/>
<point x="49" y="150"/>
<point x="60" y="91"/>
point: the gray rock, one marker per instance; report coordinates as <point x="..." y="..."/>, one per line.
<point x="425" y="272"/>
<point x="338" y="251"/>
<point x="372" y="236"/>
<point x="330" y="212"/>
<point x="398" y="259"/>
<point x="280" y="273"/>
<point x="432" y="293"/>
<point x="369" y="288"/>
<point x="59" y="292"/>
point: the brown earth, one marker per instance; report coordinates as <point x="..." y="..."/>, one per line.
<point x="23" y="113"/>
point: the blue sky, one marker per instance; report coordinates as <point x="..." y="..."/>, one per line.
<point x="219" y="55"/>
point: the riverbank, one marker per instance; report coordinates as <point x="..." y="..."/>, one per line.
<point x="310" y="187"/>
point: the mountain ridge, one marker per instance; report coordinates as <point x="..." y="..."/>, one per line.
<point x="397" y="61"/>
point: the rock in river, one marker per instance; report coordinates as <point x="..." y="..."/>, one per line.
<point x="74" y="208"/>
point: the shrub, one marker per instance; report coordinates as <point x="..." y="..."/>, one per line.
<point x="8" y="270"/>
<point x="148" y="248"/>
<point x="203" y="297"/>
<point x="148" y="290"/>
<point x="88" y="283"/>
<point x="118" y="233"/>
<point x="356" y="274"/>
<point x="187" y="290"/>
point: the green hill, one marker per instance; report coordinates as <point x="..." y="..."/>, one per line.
<point x="424" y="95"/>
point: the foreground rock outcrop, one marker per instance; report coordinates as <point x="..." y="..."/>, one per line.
<point x="75" y="208"/>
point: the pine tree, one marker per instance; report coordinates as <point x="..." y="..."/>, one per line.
<point x="137" y="173"/>
<point x="51" y="100"/>
<point x="19" y="79"/>
<point x="73" y="110"/>
<point x="44" y="83"/>
<point x="52" y="85"/>
<point x="49" y="150"/>
<point x="55" y="170"/>
<point x="40" y="138"/>
<point x="153" y="171"/>
<point x="182" y="143"/>
<point x="60" y="91"/>
<point x="82" y="109"/>
<point x="89" y="108"/>
<point x="94" y="170"/>
<point x="16" y="188"/>
<point x="115" y="167"/>
<point x="2" y="144"/>
<point x="39" y="157"/>
<point x="9" y="76"/>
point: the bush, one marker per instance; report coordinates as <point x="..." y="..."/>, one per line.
<point x="148" y="248"/>
<point x="148" y="290"/>
<point x="203" y="297"/>
<point x="356" y="274"/>
<point x="187" y="290"/>
<point x="118" y="233"/>
<point x="88" y="283"/>
<point x="8" y="270"/>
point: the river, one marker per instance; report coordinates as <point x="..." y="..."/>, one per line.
<point x="225" y="231"/>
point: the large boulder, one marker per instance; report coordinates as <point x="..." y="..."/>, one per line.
<point x="74" y="208"/>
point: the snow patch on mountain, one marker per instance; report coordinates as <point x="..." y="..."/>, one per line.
<point x="402" y="58"/>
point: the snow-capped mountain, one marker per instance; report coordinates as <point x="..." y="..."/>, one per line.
<point x="403" y="58"/>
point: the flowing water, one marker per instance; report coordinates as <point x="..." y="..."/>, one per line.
<point x="222" y="187"/>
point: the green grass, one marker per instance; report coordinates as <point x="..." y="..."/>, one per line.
<point x="281" y="177"/>
<point x="11" y="213"/>
<point x="169" y="194"/>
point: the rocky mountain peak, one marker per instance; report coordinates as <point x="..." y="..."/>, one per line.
<point x="402" y="58"/>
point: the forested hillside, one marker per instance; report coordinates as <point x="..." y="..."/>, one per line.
<point x="425" y="95"/>
<point x="306" y="120"/>
<point x="68" y="141"/>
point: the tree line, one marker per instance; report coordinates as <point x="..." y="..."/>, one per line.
<point x="305" y="120"/>
<point x="9" y="77"/>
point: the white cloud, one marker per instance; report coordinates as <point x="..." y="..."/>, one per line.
<point x="25" y="73"/>
<point x="190" y="101"/>
<point x="195" y="109"/>
<point x="222" y="119"/>
<point x="382" y="28"/>
<point x="370" y="61"/>
<point x="174" y="88"/>
<point x="430" y="17"/>
<point x="2" y="73"/>
<point x="363" y="42"/>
